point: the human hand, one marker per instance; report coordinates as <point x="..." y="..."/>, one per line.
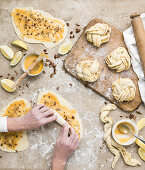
<point x="65" y="146"/>
<point x="38" y="116"/>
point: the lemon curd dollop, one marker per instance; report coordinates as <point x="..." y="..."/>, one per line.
<point x="124" y="138"/>
<point x="31" y="59"/>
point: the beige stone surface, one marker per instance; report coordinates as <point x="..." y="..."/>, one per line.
<point x="89" y="155"/>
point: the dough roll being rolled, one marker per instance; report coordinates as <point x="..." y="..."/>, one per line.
<point x="139" y="33"/>
<point x="59" y="119"/>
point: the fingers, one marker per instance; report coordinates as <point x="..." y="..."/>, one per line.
<point x="39" y="106"/>
<point x="72" y="134"/>
<point x="76" y="141"/>
<point x="48" y="113"/>
<point x="65" y="131"/>
<point x="44" y="109"/>
<point x="74" y="138"/>
<point x="50" y="119"/>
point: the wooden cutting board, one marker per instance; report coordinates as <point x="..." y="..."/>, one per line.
<point x="83" y="49"/>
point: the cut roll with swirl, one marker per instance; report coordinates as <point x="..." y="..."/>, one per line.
<point x="123" y="89"/>
<point x="88" y="70"/>
<point x="118" y="59"/>
<point x="98" y="34"/>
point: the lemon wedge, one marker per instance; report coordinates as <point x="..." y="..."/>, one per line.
<point x="141" y="150"/>
<point x="141" y="123"/>
<point x="17" y="57"/>
<point x="140" y="143"/>
<point x="20" y="44"/>
<point x="7" y="85"/>
<point x="7" y="52"/>
<point x="65" y="47"/>
<point x="141" y="153"/>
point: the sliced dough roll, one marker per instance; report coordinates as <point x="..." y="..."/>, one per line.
<point x="123" y="89"/>
<point x="118" y="59"/>
<point x="14" y="141"/>
<point x="88" y="70"/>
<point x="98" y="34"/>
<point x="63" y="110"/>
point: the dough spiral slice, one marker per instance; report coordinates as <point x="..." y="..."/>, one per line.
<point x="88" y="70"/>
<point x="123" y="89"/>
<point x="98" y="34"/>
<point x="118" y="59"/>
<point x="114" y="147"/>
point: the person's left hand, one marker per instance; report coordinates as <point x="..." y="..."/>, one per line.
<point x="65" y="145"/>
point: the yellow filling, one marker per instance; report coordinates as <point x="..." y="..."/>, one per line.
<point x="10" y="139"/>
<point x="29" y="60"/>
<point x="36" y="26"/>
<point x="69" y="115"/>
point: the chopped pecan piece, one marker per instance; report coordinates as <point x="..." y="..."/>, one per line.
<point x="77" y="25"/>
<point x="77" y="30"/>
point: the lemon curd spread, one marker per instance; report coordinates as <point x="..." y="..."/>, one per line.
<point x="10" y="139"/>
<point x="69" y="115"/>
<point x="31" y="59"/>
<point x="34" y="25"/>
<point x="121" y="137"/>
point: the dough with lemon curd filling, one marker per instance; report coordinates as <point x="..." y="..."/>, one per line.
<point x="63" y="108"/>
<point x="88" y="70"/>
<point x="14" y="141"/>
<point x="118" y="59"/>
<point x="98" y="34"/>
<point x="36" y="26"/>
<point x="123" y="89"/>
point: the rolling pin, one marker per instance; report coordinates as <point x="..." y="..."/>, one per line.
<point x="28" y="70"/>
<point x="139" y="34"/>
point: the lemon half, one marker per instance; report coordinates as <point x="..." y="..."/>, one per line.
<point x="65" y="47"/>
<point x="141" y="153"/>
<point x="140" y="143"/>
<point x="7" y="52"/>
<point x="141" y="150"/>
<point x="20" y="44"/>
<point x="17" y="57"/>
<point x="7" y="85"/>
<point x="141" y="123"/>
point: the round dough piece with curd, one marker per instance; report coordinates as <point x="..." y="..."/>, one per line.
<point x="123" y="89"/>
<point x="118" y="59"/>
<point x="98" y="34"/>
<point x="88" y="70"/>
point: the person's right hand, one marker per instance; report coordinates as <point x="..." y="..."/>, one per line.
<point x="65" y="145"/>
<point x="38" y="116"/>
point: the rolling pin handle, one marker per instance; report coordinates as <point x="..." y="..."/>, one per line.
<point x="139" y="34"/>
<point x="134" y="15"/>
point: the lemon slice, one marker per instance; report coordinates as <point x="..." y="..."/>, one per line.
<point x="141" y="144"/>
<point x="141" y="153"/>
<point x="7" y="85"/>
<point x="141" y="123"/>
<point x="65" y="47"/>
<point x="20" y="44"/>
<point x="7" y="52"/>
<point x="17" y="57"/>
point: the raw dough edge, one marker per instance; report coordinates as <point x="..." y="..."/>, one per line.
<point x="63" y="102"/>
<point x="28" y="40"/>
<point x="23" y="143"/>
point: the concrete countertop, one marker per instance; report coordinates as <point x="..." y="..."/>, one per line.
<point x="92" y="153"/>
